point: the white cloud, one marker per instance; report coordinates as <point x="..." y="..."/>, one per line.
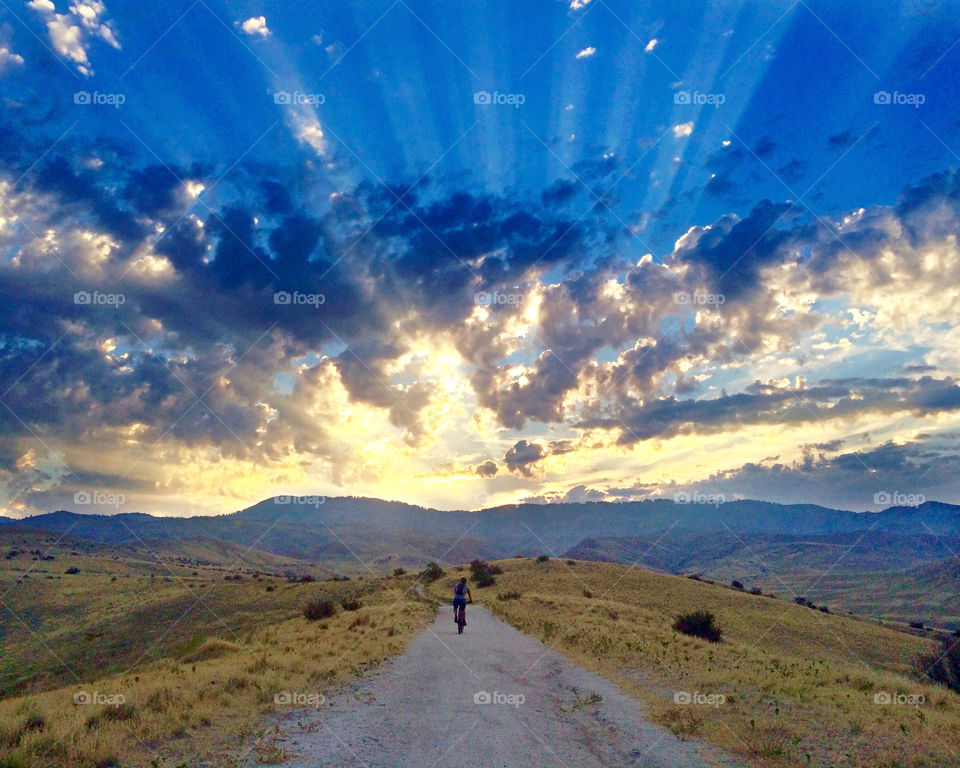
<point x="576" y="5"/>
<point x="651" y="45"/>
<point x="586" y="53"/>
<point x="256" y="25"/>
<point x="71" y="32"/>
<point x="310" y="133"/>
<point x="8" y="57"/>
<point x="683" y="129"/>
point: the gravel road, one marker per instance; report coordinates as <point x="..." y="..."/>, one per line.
<point x="490" y="698"/>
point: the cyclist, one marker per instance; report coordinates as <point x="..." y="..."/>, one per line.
<point x="461" y="595"/>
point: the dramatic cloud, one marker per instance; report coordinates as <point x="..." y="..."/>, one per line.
<point x="229" y="287"/>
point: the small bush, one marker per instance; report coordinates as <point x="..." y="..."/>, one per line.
<point x="482" y="573"/>
<point x="508" y="596"/>
<point x="698" y="624"/>
<point x="72" y="570"/>
<point x="351" y="604"/>
<point x="756" y="591"/>
<point x="431" y="573"/>
<point x="916" y="624"/>
<point x="587" y="594"/>
<point x="571" y="562"/>
<point x="543" y="558"/>
<point x="398" y="572"/>
<point x="321" y="608"/>
<point x="736" y="584"/>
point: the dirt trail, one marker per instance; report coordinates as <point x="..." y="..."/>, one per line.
<point x="490" y="698"/>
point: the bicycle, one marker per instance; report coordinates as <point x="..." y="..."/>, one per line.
<point x="461" y="619"/>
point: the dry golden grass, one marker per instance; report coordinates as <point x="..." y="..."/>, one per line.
<point x="799" y="685"/>
<point x="207" y="698"/>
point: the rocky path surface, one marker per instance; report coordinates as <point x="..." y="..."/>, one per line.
<point x="490" y="698"/>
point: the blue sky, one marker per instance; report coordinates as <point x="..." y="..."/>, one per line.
<point x="719" y="240"/>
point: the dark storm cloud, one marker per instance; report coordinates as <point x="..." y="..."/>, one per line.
<point x="520" y="458"/>
<point x="766" y="404"/>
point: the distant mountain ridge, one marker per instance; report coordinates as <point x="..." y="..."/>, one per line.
<point x="366" y="531"/>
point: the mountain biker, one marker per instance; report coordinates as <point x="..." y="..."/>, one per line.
<point x="461" y="594"/>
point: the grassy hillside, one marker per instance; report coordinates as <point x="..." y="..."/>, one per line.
<point x="799" y="685"/>
<point x="197" y="654"/>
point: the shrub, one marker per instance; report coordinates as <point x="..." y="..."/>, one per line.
<point x="916" y="624"/>
<point x="587" y="594"/>
<point x="431" y="573"/>
<point x="321" y="608"/>
<point x="351" y="604"/>
<point x="736" y="584"/>
<point x="543" y="558"/>
<point x="72" y="570"/>
<point x="482" y="573"/>
<point x="756" y="591"/>
<point x="509" y="596"/>
<point x="698" y="624"/>
<point x="942" y="663"/>
<point x="571" y="562"/>
<point x="398" y="572"/>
